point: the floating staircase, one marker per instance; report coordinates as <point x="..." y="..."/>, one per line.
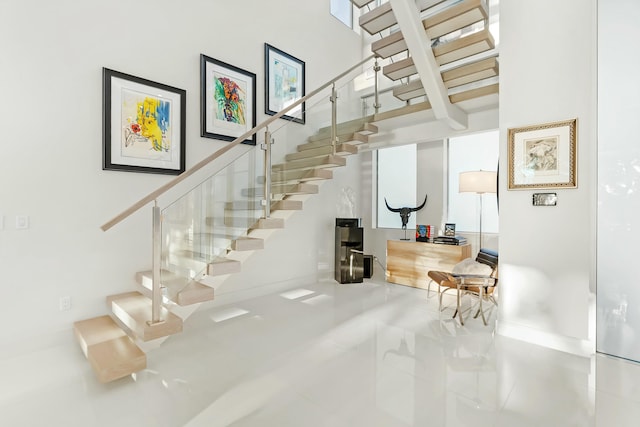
<point x="113" y="343"/>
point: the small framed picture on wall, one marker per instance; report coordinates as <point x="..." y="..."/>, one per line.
<point x="450" y="229"/>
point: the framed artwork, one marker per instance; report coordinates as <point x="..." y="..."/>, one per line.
<point x="143" y="125"/>
<point x="227" y="100"/>
<point x="543" y="156"/>
<point x="284" y="83"/>
<point x="450" y="230"/>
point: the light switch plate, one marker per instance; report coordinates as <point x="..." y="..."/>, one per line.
<point x="545" y="199"/>
<point x="22" y="222"/>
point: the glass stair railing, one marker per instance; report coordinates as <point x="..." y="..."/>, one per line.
<point x="208" y="219"/>
<point x="198" y="235"/>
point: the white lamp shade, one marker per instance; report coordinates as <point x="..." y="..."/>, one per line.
<point x="477" y="182"/>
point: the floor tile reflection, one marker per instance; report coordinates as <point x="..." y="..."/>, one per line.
<point x="325" y="354"/>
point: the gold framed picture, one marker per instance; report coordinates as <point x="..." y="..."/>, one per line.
<point x="543" y="156"/>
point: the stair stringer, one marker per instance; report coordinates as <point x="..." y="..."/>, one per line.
<point x="424" y="39"/>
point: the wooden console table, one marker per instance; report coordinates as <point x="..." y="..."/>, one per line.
<point x="408" y="261"/>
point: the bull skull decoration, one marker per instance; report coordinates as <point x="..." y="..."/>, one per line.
<point x="405" y="213"/>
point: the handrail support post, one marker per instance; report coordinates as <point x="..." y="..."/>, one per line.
<point x="156" y="293"/>
<point x="266" y="147"/>
<point x="334" y="118"/>
<point x="376" y="102"/>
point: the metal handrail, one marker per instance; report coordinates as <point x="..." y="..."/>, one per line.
<point x="204" y="162"/>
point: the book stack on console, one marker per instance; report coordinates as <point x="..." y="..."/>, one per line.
<point x="450" y="240"/>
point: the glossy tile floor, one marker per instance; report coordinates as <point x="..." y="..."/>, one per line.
<point x="332" y="355"/>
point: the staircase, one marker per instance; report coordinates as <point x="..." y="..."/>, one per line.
<point x="446" y="56"/>
<point x="197" y="259"/>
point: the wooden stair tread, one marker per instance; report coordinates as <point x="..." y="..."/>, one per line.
<point x="415" y="89"/>
<point x="269" y="223"/>
<point x="301" y="175"/>
<point x="247" y="244"/>
<point x="287" y="205"/>
<point x="464" y="47"/>
<point x="411" y="90"/>
<point x="462" y="74"/>
<point x="287" y="189"/>
<point x="222" y="266"/>
<point x="345" y="138"/>
<point x="194" y="293"/>
<point x="328" y="161"/>
<point x="493" y="89"/>
<point x="111" y="353"/>
<point x="400" y="69"/>
<point x="362" y="126"/>
<point x="256" y="205"/>
<point x="456" y="17"/>
<point x="467" y="73"/>
<point x="341" y="149"/>
<point x="470" y="72"/>
<point x="115" y="359"/>
<point x="92" y="331"/>
<point x="179" y="289"/>
<point x="389" y="46"/>
<point x="489" y="90"/>
<point x="134" y="310"/>
<point x="382" y="17"/>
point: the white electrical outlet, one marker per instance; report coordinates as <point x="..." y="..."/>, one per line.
<point x="22" y="222"/>
<point x="65" y="303"/>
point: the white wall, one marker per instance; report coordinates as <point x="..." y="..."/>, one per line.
<point x="51" y="57"/>
<point x="618" y="330"/>
<point x="432" y="170"/>
<point x="547" y="73"/>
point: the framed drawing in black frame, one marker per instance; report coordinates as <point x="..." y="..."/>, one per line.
<point x="450" y="230"/>
<point x="143" y="125"/>
<point x="227" y="100"/>
<point x="284" y="83"/>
